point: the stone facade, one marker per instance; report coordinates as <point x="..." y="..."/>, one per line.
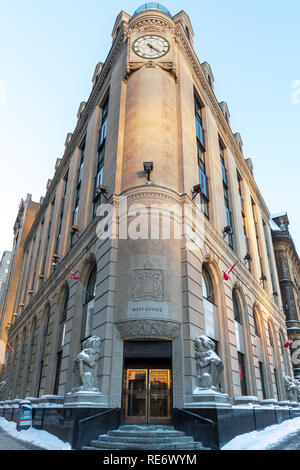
<point x="288" y="267"/>
<point x="146" y="289"/>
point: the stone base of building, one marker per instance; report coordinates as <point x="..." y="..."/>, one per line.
<point x="80" y="425"/>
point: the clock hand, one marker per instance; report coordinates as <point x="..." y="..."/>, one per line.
<point x="152" y="47"/>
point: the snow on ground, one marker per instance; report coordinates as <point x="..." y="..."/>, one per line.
<point x="37" y="437"/>
<point x="265" y="439"/>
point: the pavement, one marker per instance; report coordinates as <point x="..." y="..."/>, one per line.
<point x="291" y="442"/>
<point x="8" y="442"/>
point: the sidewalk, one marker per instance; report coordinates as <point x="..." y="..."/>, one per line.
<point x="8" y="442"/>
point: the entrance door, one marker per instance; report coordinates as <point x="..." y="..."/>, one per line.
<point x="147" y="395"/>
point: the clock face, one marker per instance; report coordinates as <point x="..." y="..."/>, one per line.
<point x="151" y="47"/>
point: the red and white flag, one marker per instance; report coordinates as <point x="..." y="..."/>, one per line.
<point x="76" y="278"/>
<point x="287" y="345"/>
<point x="226" y="274"/>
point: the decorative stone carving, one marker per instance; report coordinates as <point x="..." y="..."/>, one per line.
<point x="147" y="285"/>
<point x="209" y="365"/>
<point x="146" y="328"/>
<point x="166" y="66"/>
<point x="85" y="364"/>
<point x="290" y="388"/>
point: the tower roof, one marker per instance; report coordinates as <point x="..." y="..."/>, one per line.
<point x="152" y="6"/>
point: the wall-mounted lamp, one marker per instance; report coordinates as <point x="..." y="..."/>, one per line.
<point x="54" y="259"/>
<point x="227" y="230"/>
<point x="100" y="191"/>
<point x="196" y="190"/>
<point x="148" y="167"/>
<point x="263" y="278"/>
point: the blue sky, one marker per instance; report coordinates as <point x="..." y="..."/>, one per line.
<point x="48" y="54"/>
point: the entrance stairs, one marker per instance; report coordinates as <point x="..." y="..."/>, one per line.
<point x="145" y="437"/>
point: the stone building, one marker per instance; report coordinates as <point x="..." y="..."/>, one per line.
<point x="288" y="267"/>
<point x="4" y="265"/>
<point x="152" y="135"/>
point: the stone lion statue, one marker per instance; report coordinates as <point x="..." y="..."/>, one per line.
<point x="209" y="365"/>
<point x="85" y="364"/>
<point x="290" y="388"/>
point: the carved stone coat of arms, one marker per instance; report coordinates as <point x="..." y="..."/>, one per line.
<point x="147" y="285"/>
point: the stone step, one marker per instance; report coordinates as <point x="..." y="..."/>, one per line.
<point x="102" y="445"/>
<point x="138" y="439"/>
<point x="146" y="427"/>
<point x="170" y="433"/>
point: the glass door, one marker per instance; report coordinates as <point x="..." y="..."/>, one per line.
<point x="147" y="395"/>
<point x="136" y="396"/>
<point x="159" y="396"/>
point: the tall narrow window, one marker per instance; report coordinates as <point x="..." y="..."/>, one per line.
<point x="262" y="379"/>
<point x="61" y="214"/>
<point x="77" y="193"/>
<point x="48" y="238"/>
<point x="226" y="194"/>
<point x="61" y="342"/>
<point x="207" y="285"/>
<point x="241" y="361"/>
<point x="246" y="240"/>
<point x="43" y="346"/>
<point x="236" y="308"/>
<point x="200" y="140"/>
<point x="211" y="320"/>
<point x="257" y="242"/>
<point x="100" y="157"/>
<point x="37" y="256"/>
<point x="88" y="306"/>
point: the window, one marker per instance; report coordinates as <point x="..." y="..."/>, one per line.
<point x="226" y="194"/>
<point x="262" y="380"/>
<point x="77" y="191"/>
<point x="88" y="306"/>
<point x="65" y="182"/>
<point x="61" y="342"/>
<point x="241" y="362"/>
<point x="48" y="237"/>
<point x="100" y="157"/>
<point x="43" y="345"/>
<point x="207" y="285"/>
<point x="257" y="241"/>
<point x="236" y="308"/>
<point x="200" y="141"/>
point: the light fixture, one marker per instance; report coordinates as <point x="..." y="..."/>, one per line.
<point x="275" y="293"/>
<point x="263" y="278"/>
<point x="227" y="230"/>
<point x="196" y="190"/>
<point x="148" y="167"/>
<point x="247" y="257"/>
<point x="100" y="190"/>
